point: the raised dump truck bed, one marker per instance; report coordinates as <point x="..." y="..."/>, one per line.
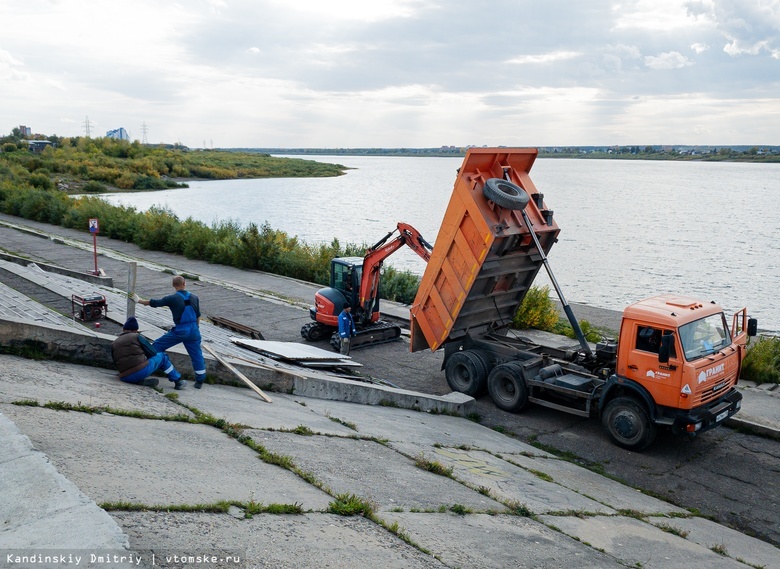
<point x="485" y="259"/>
<point x="674" y="367"/>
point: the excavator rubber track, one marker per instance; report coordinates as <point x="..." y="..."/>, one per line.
<point x="378" y="333"/>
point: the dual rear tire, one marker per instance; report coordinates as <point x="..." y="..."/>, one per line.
<point x="467" y="372"/>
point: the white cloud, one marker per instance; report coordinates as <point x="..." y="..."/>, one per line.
<point x="389" y="72"/>
<point x="357" y="10"/>
<point x="668" y="60"/>
<point x="543" y="58"/>
<point x="749" y="27"/>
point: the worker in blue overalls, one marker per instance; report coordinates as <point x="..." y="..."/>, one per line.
<point x="185" y="309"/>
<point x="346" y="329"/>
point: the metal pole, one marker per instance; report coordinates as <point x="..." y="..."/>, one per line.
<point x="131" y="275"/>
<point x="566" y="308"/>
<point x="94" y="247"/>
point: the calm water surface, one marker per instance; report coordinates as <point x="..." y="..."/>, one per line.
<point x="629" y="229"/>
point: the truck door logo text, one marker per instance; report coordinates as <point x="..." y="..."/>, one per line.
<point x="711" y="372"/>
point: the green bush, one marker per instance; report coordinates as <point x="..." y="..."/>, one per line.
<point x="41" y="181"/>
<point x="9" y="147"/>
<point x="398" y="286"/>
<point x="762" y="362"/>
<point x="93" y="187"/>
<point x="536" y="311"/>
<point x="591" y="333"/>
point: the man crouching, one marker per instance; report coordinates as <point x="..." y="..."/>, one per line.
<point x="136" y="359"/>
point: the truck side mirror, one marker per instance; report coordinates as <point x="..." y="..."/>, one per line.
<point x="665" y="348"/>
<point x="752" y="328"/>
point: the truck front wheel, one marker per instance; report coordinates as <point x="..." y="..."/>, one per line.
<point x="628" y="424"/>
<point x="507" y="388"/>
<point x="466" y="372"/>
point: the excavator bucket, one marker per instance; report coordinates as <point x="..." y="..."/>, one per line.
<point x="484" y="260"/>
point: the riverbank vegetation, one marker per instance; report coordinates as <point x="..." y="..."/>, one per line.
<point x="83" y="164"/>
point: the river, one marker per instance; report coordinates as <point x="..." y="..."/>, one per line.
<point x="629" y="229"/>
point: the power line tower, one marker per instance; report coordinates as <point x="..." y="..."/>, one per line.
<point x="144" y="130"/>
<point x="86" y="126"/>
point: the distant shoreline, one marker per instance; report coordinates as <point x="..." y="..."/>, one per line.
<point x="750" y="154"/>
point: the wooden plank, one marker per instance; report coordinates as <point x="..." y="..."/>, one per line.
<point x="238" y="374"/>
<point x="271" y="367"/>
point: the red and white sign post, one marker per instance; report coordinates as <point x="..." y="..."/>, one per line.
<point x="94" y="228"/>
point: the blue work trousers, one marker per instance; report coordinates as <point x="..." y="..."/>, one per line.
<point x="189" y="335"/>
<point x="160" y="361"/>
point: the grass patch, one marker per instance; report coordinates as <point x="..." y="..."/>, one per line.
<point x="351" y="505"/>
<point x="302" y="430"/>
<point x="460" y="509"/>
<point x="543" y="475"/>
<point x="26" y="403"/>
<point x="519" y="509"/>
<point x="673" y="530"/>
<point x="347" y="424"/>
<point x="432" y="466"/>
<point x="720" y="549"/>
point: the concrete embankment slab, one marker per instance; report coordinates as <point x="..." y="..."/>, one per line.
<point x="711" y="535"/>
<point x="47" y="381"/>
<point x="481" y="541"/>
<point x="600" y="488"/>
<point x="152" y="462"/>
<point x="506" y="481"/>
<point x="405" y="425"/>
<point x="302" y="541"/>
<point x="637" y="543"/>
<point x="40" y="508"/>
<point x="243" y="406"/>
<point x="372" y="471"/>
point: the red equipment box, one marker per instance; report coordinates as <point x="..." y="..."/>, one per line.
<point x="89" y="307"/>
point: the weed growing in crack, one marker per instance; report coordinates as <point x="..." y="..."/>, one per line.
<point x="432" y="466"/>
<point x="351" y="505"/>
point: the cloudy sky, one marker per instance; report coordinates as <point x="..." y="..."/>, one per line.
<point x="390" y="73"/>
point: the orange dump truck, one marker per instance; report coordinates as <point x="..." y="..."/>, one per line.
<point x="676" y="361"/>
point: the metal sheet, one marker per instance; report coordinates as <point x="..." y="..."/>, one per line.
<point x="289" y="350"/>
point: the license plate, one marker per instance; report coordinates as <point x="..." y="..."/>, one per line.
<point x="722" y="416"/>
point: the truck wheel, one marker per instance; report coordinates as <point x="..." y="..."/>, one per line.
<point x="507" y="388"/>
<point x="628" y="424"/>
<point x="467" y="372"/>
<point x="505" y="194"/>
<point x="314" y="331"/>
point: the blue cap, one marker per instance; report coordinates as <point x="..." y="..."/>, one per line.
<point x="131" y="324"/>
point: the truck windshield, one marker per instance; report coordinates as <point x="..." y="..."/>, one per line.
<point x="704" y="337"/>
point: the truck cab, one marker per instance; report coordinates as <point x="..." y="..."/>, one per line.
<point x="679" y="361"/>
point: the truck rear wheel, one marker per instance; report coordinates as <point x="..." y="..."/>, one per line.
<point x="505" y="194"/>
<point x="507" y="388"/>
<point x="628" y="424"/>
<point x="467" y="372"/>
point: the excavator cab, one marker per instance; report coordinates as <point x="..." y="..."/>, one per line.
<point x="345" y="276"/>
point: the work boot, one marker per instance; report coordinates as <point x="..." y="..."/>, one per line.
<point x="151" y="382"/>
<point x="198" y="383"/>
<point x="180" y="384"/>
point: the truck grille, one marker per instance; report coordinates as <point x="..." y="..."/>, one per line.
<point x="711" y="393"/>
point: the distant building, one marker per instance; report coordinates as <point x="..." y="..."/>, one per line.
<point x="38" y="146"/>
<point x="25" y="131"/>
<point x="119" y="133"/>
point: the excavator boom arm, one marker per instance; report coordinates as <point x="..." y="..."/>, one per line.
<point x="372" y="262"/>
